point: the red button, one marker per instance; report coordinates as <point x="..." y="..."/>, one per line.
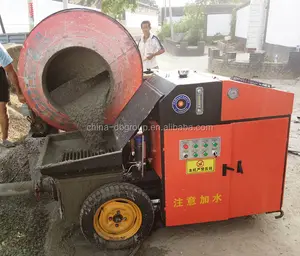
<point x="186" y="146"/>
<point x="180" y="104"/>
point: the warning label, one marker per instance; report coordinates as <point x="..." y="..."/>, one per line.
<point x="200" y="166"/>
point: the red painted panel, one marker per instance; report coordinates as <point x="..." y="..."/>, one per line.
<point x="198" y="197"/>
<point x="254" y="102"/>
<point x="261" y="146"/>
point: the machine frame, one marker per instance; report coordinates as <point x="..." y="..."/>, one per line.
<point x="84" y="180"/>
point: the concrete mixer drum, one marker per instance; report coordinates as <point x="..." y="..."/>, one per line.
<point x="79" y="68"/>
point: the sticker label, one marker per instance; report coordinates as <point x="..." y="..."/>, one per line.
<point x="181" y="104"/>
<point x="200" y="166"/>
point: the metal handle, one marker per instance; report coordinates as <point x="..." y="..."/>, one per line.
<point x="240" y="168"/>
<point x="226" y="168"/>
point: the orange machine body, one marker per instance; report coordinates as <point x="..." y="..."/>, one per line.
<point x="226" y="165"/>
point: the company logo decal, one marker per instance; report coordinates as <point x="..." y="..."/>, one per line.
<point x="181" y="104"/>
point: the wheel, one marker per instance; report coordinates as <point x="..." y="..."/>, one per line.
<point x="117" y="216"/>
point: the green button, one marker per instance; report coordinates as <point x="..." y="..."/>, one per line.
<point x="205" y="154"/>
<point x="215" y="144"/>
<point x="195" y="155"/>
<point x="205" y="145"/>
<point x="195" y="146"/>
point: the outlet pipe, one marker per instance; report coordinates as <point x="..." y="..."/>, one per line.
<point x="16" y="189"/>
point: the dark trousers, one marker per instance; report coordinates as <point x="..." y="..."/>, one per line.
<point x="4" y="86"/>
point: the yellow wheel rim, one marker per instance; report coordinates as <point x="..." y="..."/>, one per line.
<point x="118" y="219"/>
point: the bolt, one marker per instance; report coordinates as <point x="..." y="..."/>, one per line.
<point x="117" y="225"/>
<point x="110" y="218"/>
<point x="118" y="212"/>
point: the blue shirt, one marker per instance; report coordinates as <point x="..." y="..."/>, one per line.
<point x="5" y="58"/>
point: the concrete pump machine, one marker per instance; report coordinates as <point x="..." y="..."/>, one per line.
<point x="192" y="147"/>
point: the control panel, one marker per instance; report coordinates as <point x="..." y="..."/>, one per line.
<point x="199" y="148"/>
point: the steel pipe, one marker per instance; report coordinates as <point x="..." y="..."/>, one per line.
<point x="16" y="189"/>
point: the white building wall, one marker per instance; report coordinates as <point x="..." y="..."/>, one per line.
<point x="218" y="24"/>
<point x="257" y="23"/>
<point x="174" y="19"/>
<point x="283" y="23"/>
<point x="14" y="14"/>
<point x="44" y="8"/>
<point x="242" y="22"/>
<point x="134" y="20"/>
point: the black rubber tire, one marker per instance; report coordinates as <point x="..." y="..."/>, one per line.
<point x="109" y="192"/>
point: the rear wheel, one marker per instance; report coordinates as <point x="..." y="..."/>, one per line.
<point x="117" y="216"/>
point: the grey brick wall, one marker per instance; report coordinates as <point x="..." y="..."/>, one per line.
<point x="182" y="48"/>
<point x="222" y="65"/>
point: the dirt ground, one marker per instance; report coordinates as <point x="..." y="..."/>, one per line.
<point x="29" y="229"/>
<point x="23" y="221"/>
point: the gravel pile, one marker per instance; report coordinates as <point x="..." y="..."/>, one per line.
<point x="88" y="112"/>
<point x="14" y="165"/>
<point x="23" y="220"/>
<point x="23" y="226"/>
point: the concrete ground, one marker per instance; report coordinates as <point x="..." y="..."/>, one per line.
<point x="170" y="62"/>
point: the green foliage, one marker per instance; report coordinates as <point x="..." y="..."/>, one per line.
<point x="193" y="22"/>
<point x="84" y="2"/>
<point x="207" y="2"/>
<point x="192" y="25"/>
<point x="114" y="8"/>
<point x="192" y="34"/>
<point x="179" y="27"/>
<point x="194" y="11"/>
<point x="164" y="32"/>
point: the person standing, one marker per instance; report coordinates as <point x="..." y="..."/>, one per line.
<point x="150" y="47"/>
<point x="6" y="68"/>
